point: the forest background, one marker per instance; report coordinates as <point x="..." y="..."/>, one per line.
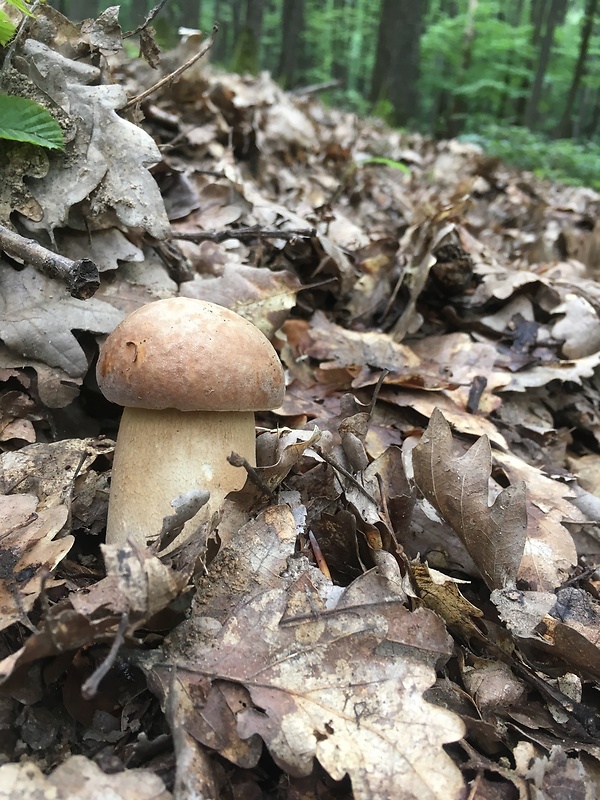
<point x="519" y="77"/>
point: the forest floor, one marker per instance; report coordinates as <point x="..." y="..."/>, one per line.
<point x="404" y="601"/>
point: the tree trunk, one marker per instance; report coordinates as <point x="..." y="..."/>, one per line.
<point x="292" y="25"/>
<point x="396" y="70"/>
<point x="341" y="40"/>
<point x="555" y="14"/>
<point x="537" y="15"/>
<point x="246" y="57"/>
<point x="236" y="19"/>
<point x="515" y="19"/>
<point x="565" y="126"/>
<point x="85" y="9"/>
<point x="457" y="109"/>
<point x="442" y="100"/>
<point x="221" y="45"/>
<point x="592" y="126"/>
<point x="188" y="13"/>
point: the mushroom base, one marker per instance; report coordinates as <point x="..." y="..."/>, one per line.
<point x="161" y="455"/>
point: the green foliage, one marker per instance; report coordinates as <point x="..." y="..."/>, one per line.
<point x="386" y="162"/>
<point x="7" y="29"/>
<point x="23" y="120"/>
<point x="245" y="58"/>
<point x="21" y="6"/>
<point x="558" y="160"/>
<point x="475" y="73"/>
<point x="384" y="110"/>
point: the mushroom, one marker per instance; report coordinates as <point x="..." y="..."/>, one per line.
<point x="190" y="374"/>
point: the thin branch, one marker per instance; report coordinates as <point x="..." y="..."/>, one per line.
<point x="376" y="390"/>
<point x="81" y="277"/>
<point x="90" y="687"/>
<point x="254" y="232"/>
<point x="175" y="74"/>
<point x="345" y="473"/>
<point x="314" y="88"/>
<point x="318" y="554"/>
<point x="152" y="14"/>
<point x="239" y="461"/>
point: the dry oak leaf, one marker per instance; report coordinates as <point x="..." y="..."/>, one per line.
<point x="460" y="419"/>
<point x="109" y="158"/>
<point x="549" y="552"/>
<point x="574" y="370"/>
<point x="38" y="317"/>
<point x="55" y="388"/>
<point x="458" y="488"/>
<point x="345" y="686"/>
<point x="137" y="584"/>
<point x="259" y="295"/>
<point x="28" y="552"/>
<point x="78" y="778"/>
<point x="48" y="470"/>
<point x="441" y="594"/>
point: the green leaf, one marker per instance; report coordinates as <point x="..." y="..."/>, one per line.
<point x="23" y="120"/>
<point x="7" y="29"/>
<point x="387" y="162"/>
<point x="21" y="6"/>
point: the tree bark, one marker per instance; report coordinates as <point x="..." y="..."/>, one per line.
<point x="556" y="10"/>
<point x="188" y="14"/>
<point x="396" y="70"/>
<point x="442" y="99"/>
<point x="247" y="47"/>
<point x="565" y="126"/>
<point x="341" y="41"/>
<point x="515" y="19"/>
<point x="222" y="41"/>
<point x="457" y="108"/>
<point x="292" y="24"/>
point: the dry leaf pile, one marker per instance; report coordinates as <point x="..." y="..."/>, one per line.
<point x="404" y="600"/>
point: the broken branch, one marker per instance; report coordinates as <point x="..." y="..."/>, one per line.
<point x="152" y="14"/>
<point x="253" y="232"/>
<point x="173" y="75"/>
<point x="81" y="277"/>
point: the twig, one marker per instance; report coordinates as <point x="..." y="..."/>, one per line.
<point x="239" y="461"/>
<point x="318" y="554"/>
<point x="81" y="277"/>
<point x="154" y="12"/>
<point x="345" y="473"/>
<point x="254" y="232"/>
<point x="303" y="91"/>
<point x="90" y="687"/>
<point x="175" y="74"/>
<point x="376" y="390"/>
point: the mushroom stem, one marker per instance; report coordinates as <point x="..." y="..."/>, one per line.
<point x="160" y="455"/>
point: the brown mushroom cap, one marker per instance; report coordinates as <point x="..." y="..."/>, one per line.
<point x="190" y="355"/>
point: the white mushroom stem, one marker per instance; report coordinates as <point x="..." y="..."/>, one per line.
<point x="160" y="455"/>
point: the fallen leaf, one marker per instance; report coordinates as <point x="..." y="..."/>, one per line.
<point x="137" y="586"/>
<point x="459" y="489"/>
<point x="345" y="686"/>
<point x="261" y="296"/>
<point x="441" y="594"/>
<point x="78" y="778"/>
<point x="38" y="317"/>
<point x="29" y="552"/>
<point x="109" y="157"/>
<point x="48" y="470"/>
<point x="549" y="552"/>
